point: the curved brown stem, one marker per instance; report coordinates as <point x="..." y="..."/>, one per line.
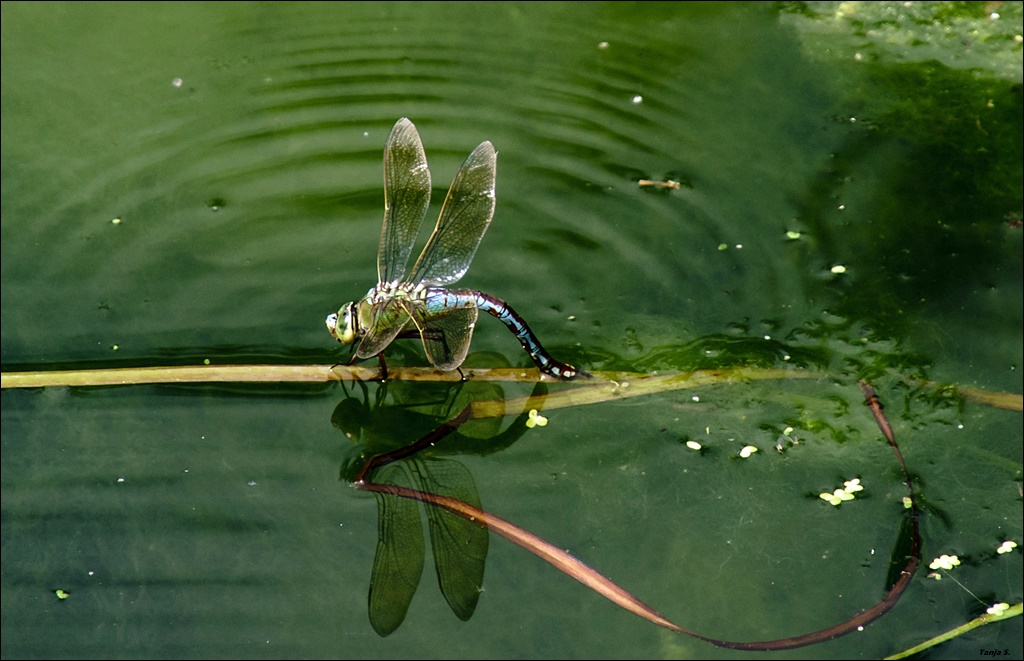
<point x="565" y="562"/>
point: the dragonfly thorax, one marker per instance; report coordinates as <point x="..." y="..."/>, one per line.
<point x="349" y="324"/>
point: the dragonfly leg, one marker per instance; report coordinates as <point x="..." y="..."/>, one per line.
<point x="380" y="358"/>
<point x="351" y="359"/>
<point x="545" y="363"/>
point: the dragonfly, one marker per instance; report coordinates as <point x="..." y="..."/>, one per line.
<point x="418" y="302"/>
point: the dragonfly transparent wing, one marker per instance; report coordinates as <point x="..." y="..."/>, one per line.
<point x="406" y="198"/>
<point x="464" y="218"/>
<point x="398" y="561"/>
<point x="459" y="546"/>
<point x="387" y="319"/>
<point x="446" y="335"/>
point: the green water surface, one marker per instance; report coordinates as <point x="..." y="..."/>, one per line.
<point x="849" y="203"/>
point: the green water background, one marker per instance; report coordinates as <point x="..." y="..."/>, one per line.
<point x="239" y="147"/>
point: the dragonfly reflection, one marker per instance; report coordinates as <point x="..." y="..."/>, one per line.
<point x="459" y="546"/>
<point x="420" y="304"/>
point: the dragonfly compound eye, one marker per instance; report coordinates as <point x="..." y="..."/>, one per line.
<point x="341" y="324"/>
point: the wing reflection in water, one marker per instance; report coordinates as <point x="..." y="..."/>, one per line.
<point x="459" y="547"/>
<point x="400" y="414"/>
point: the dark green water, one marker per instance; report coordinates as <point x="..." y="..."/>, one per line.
<point x="239" y="146"/>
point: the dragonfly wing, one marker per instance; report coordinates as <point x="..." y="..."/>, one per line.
<point x="398" y="561"/>
<point x="387" y="319"/>
<point x="464" y="218"/>
<point x="446" y="335"/>
<point x="459" y="546"/>
<point x="406" y="198"/>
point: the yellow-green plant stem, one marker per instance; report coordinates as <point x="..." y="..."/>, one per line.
<point x="1013" y="611"/>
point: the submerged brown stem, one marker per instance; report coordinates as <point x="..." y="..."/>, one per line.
<point x="575" y="568"/>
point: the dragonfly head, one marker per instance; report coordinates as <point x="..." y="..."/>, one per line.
<point x="343" y="324"/>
